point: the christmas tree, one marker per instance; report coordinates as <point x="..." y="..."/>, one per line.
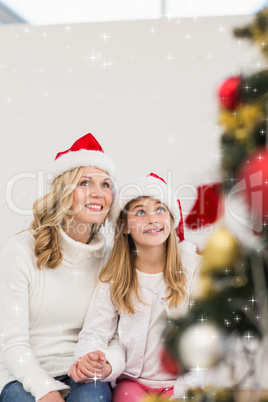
<point x="229" y="309"/>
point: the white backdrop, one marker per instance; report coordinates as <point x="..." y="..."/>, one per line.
<point x="145" y="89"/>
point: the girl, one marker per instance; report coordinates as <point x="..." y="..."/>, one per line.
<point x="147" y="279"/>
<point x="48" y="275"/>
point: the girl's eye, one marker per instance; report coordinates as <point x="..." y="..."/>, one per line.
<point x="106" y="185"/>
<point x="140" y="212"/>
<point x="161" y="210"/>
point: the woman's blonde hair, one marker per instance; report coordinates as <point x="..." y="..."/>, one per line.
<point x="52" y="211"/>
<point x="120" y="269"/>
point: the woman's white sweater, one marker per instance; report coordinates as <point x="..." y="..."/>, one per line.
<point x="42" y="311"/>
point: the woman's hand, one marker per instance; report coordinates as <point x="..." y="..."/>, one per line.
<point x="53" y="396"/>
<point x="92" y="366"/>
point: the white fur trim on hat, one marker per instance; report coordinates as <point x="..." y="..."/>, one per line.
<point x="83" y="157"/>
<point x="146" y="187"/>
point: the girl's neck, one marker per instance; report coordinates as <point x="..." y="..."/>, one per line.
<point x="151" y="261"/>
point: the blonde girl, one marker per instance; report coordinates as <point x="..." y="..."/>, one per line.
<point x="147" y="279"/>
<point x="48" y="275"/>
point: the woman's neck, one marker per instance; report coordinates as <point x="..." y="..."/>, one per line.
<point x="79" y="233"/>
<point x="151" y="261"/>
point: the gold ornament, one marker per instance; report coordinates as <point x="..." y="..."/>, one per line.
<point x="228" y="120"/>
<point x="243" y="120"/>
<point x="259" y="34"/>
<point x="204" y="290"/>
<point x="221" y="251"/>
<point x="239" y="281"/>
<point x="153" y="398"/>
<point x="250" y="115"/>
<point x="241" y="134"/>
<point x="210" y="394"/>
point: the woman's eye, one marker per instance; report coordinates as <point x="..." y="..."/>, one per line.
<point x="106" y="185"/>
<point x="161" y="210"/>
<point x="85" y="183"/>
<point x="140" y="212"/>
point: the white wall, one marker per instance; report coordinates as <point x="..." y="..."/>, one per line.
<point x="151" y="81"/>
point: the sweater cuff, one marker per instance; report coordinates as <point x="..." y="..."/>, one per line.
<point x="117" y="364"/>
<point x="41" y="383"/>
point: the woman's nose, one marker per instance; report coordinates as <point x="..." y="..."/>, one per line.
<point x="96" y="191"/>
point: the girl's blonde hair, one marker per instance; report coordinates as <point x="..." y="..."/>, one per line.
<point x="51" y="212"/>
<point x="120" y="269"/>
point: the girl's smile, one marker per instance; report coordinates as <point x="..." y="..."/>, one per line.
<point x="153" y="231"/>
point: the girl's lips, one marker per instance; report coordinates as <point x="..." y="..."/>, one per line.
<point x="153" y="231"/>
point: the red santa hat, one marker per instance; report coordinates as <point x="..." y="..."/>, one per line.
<point x="86" y="151"/>
<point x="152" y="186"/>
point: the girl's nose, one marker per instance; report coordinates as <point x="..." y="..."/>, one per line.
<point x="152" y="217"/>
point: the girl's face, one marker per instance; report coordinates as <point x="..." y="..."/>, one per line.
<point x="148" y="222"/>
<point x="92" y="197"/>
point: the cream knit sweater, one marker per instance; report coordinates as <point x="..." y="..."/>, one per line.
<point x="42" y="311"/>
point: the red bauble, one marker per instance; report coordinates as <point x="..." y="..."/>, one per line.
<point x="254" y="184"/>
<point x="229" y="93"/>
<point x="169" y="363"/>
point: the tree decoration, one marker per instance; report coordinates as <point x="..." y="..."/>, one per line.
<point x="231" y="295"/>
<point x="243" y="115"/>
<point x="169" y="363"/>
<point x="229" y="93"/>
<point x="202" y="344"/>
<point x="153" y="398"/>
<point x="221" y="250"/>
<point x="254" y="176"/>
<point x="257" y="31"/>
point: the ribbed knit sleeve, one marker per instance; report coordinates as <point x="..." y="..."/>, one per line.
<point x="16" y="352"/>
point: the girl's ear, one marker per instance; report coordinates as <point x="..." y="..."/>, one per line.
<point x="124" y="226"/>
<point x="125" y="230"/>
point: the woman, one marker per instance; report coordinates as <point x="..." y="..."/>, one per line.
<point x="48" y="275"/>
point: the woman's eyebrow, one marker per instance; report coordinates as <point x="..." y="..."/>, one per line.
<point x="90" y="177"/>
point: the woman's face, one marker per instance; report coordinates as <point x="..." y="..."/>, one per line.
<point x="92" y="197"/>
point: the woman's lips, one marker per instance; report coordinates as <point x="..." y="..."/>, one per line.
<point x="96" y="207"/>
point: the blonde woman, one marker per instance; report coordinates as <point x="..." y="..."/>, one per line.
<point x="147" y="279"/>
<point x="48" y="276"/>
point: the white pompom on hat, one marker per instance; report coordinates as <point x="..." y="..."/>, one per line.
<point x="152" y="186"/>
<point x="86" y="151"/>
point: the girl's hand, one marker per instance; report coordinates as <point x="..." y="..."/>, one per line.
<point x="53" y="396"/>
<point x="92" y="366"/>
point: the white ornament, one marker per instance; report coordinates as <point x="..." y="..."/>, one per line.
<point x="202" y="344"/>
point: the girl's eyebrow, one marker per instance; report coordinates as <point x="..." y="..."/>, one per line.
<point x="138" y="206"/>
<point x="144" y="206"/>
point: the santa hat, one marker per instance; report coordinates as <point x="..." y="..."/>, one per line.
<point x="151" y="186"/>
<point x="86" y="151"/>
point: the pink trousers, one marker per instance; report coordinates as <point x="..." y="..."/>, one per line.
<point x="128" y="390"/>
